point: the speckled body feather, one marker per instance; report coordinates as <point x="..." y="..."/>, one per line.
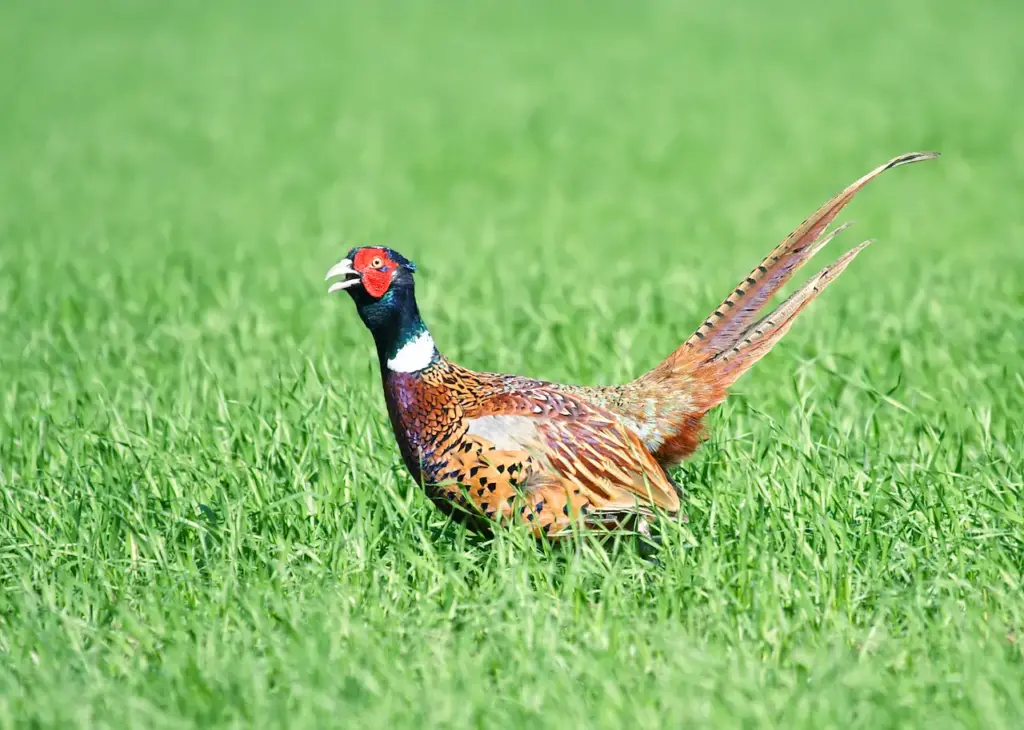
<point x="491" y="448"/>
<point x="508" y="447"/>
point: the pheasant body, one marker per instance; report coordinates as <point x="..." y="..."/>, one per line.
<point x="490" y="447"/>
<point x="506" y="447"/>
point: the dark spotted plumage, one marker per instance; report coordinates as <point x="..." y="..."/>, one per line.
<point x="600" y="463"/>
<point x="490" y="448"/>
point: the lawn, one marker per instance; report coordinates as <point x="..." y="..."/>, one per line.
<point x="204" y="521"/>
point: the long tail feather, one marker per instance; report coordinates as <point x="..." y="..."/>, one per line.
<point x="666" y="405"/>
<point x="755" y="342"/>
<point x="726" y="324"/>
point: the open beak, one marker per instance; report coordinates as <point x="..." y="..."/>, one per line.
<point x="342" y="268"/>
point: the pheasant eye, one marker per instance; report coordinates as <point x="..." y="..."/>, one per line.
<point x="376" y="263"/>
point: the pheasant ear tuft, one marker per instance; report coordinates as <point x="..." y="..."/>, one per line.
<point x="401" y="260"/>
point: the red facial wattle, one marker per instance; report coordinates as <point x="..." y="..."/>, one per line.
<point x="376" y="269"/>
<point x="376" y="282"/>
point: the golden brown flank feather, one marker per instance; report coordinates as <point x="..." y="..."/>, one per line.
<point x="542" y="457"/>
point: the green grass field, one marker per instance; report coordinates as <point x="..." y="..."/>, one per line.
<point x="204" y="521"/>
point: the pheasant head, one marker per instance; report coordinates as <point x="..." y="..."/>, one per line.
<point x="380" y="282"/>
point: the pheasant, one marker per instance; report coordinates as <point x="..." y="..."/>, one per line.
<point x="491" y="448"/>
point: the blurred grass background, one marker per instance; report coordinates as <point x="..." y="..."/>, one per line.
<point x="203" y="518"/>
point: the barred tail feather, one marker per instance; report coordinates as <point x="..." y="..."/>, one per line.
<point x="667" y="404"/>
<point x="756" y="341"/>
<point x="726" y="325"/>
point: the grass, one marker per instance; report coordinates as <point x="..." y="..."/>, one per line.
<point x="203" y="518"/>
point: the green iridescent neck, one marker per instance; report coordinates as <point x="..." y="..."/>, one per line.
<point x="403" y="342"/>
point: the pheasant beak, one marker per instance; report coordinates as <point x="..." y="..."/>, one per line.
<point x="342" y="268"/>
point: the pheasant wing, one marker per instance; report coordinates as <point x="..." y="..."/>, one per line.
<point x="560" y="456"/>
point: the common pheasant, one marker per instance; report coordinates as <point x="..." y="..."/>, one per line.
<point x="491" y="448"/>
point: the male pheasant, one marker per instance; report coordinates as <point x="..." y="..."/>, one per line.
<point x="489" y="448"/>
